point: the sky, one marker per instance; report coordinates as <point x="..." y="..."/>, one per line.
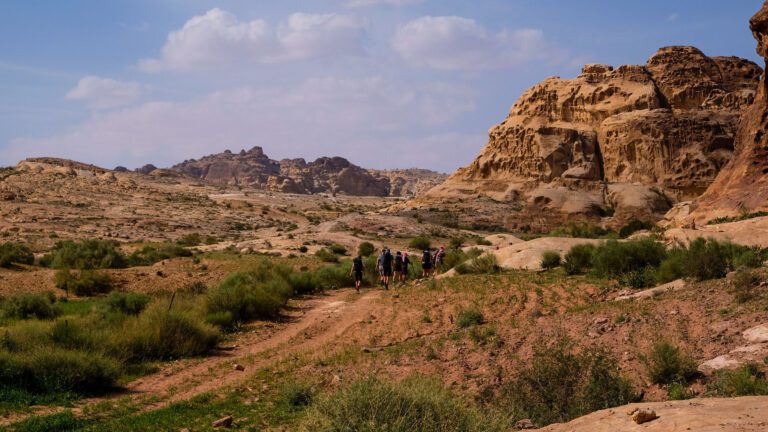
<point x="384" y="83"/>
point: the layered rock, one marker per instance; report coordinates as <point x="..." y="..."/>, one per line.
<point x="669" y="125"/>
<point x="253" y="168"/>
<point x="742" y="186"/>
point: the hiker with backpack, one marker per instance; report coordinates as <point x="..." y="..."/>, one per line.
<point x="386" y="262"/>
<point x="380" y="265"/>
<point x="426" y="263"/>
<point x="357" y="270"/>
<point x="440" y="258"/>
<point x="406" y="264"/>
<point x="398" y="267"/>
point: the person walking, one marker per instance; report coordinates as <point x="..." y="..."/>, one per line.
<point x="440" y="258"/>
<point x="380" y="266"/>
<point x="387" y="267"/>
<point x="426" y="263"/>
<point x="398" y="267"/>
<point x="357" y="270"/>
<point x="406" y="264"/>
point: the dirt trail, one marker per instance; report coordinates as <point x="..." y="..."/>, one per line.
<point x="315" y="323"/>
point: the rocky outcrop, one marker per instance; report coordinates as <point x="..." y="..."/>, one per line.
<point x="253" y="168"/>
<point x="668" y="126"/>
<point x="742" y="186"/>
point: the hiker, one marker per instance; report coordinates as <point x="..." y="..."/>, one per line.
<point x="357" y="271"/>
<point x="440" y="257"/>
<point x="406" y="263"/>
<point x="426" y="263"/>
<point x="398" y="267"/>
<point x="386" y="264"/>
<point x="380" y="266"/>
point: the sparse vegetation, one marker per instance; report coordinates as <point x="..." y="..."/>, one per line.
<point x="14" y="253"/>
<point x="83" y="282"/>
<point x="192" y="239"/>
<point x="26" y="306"/>
<point x="578" y="259"/>
<point x="420" y="243"/>
<point x="84" y="255"/>
<point x="469" y="317"/>
<point x="667" y="364"/>
<point x="582" y="230"/>
<point x="747" y="380"/>
<point x="550" y="260"/>
<point x="484" y="264"/>
<point x="634" y="226"/>
<point x="326" y="255"/>
<point x="127" y="302"/>
<point x="559" y="384"/>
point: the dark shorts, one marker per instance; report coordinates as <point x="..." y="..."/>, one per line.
<point x="426" y="266"/>
<point x="387" y="272"/>
<point x="358" y="276"/>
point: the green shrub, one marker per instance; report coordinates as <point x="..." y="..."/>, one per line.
<point x="56" y="370"/>
<point x="421" y="243"/>
<point x="550" y="260"/>
<point x="149" y="255"/>
<point x="416" y="404"/>
<point x="483" y="242"/>
<point x="745" y="283"/>
<point x="667" y="364"/>
<point x="458" y="256"/>
<point x="747" y="380"/>
<point x="455" y="243"/>
<point x="303" y="249"/>
<point x="484" y="264"/>
<point x="333" y="277"/>
<point x="326" y="255"/>
<point x="127" y="302"/>
<point x="469" y="317"/>
<point x="366" y="249"/>
<point x="581" y="230"/>
<point x="87" y="254"/>
<point x="338" y="249"/>
<point x="192" y="239"/>
<point x="613" y="258"/>
<point x="642" y="278"/>
<point x="678" y="391"/>
<point x="25" y="306"/>
<point x="64" y="421"/>
<point x="14" y="253"/>
<point x="558" y="385"/>
<point x="83" y="282"/>
<point x="634" y="226"/>
<point x="578" y="259"/>
<point x="707" y="259"/>
<point x="162" y="334"/>
<point x="249" y="296"/>
<point x="674" y="267"/>
<point x="296" y="396"/>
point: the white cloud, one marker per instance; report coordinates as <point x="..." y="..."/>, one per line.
<point x="103" y="93"/>
<point x="372" y="121"/>
<point x="455" y="43"/>
<point x="369" y="3"/>
<point x="218" y="39"/>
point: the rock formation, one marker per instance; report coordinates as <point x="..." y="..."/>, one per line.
<point x="742" y="186"/>
<point x="631" y="139"/>
<point x="253" y="168"/>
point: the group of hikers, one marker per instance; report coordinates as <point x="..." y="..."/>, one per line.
<point x="394" y="268"/>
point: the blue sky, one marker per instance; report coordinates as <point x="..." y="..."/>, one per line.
<point x="385" y="83"/>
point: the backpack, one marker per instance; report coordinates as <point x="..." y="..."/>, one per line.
<point x="357" y="264"/>
<point x="426" y="258"/>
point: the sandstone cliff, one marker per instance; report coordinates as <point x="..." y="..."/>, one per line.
<point x="253" y="168"/>
<point x="742" y="186"/>
<point x="630" y="140"/>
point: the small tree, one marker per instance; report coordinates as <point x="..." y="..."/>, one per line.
<point x="366" y="249"/>
<point x="550" y="260"/>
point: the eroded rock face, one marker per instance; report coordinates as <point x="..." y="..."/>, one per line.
<point x="253" y="168"/>
<point x="743" y="184"/>
<point x="669" y="125"/>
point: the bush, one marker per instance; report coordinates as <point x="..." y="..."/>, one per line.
<point x="456" y="243"/>
<point x="458" y="256"/>
<point x="149" y="255"/>
<point x="550" y="260"/>
<point x="483" y="242"/>
<point x="558" y="385"/>
<point x="338" y="249"/>
<point x="162" y="334"/>
<point x="637" y="279"/>
<point x="296" y="396"/>
<point x="249" y="296"/>
<point x="578" y="259"/>
<point x="581" y="230"/>
<point x="127" y="303"/>
<point x="14" y="253"/>
<point x="421" y="243"/>
<point x="667" y="364"/>
<point x="613" y="258"/>
<point x="416" y="404"/>
<point x="484" y="264"/>
<point x="365" y="249"/>
<point x="327" y="256"/>
<point x="192" y="239"/>
<point x="633" y="227"/>
<point x="674" y="267"/>
<point x="25" y="306"/>
<point x="303" y="249"/>
<point x="469" y="317"/>
<point x="56" y="370"/>
<point x="745" y="283"/>
<point x="83" y="282"/>
<point x="64" y="421"/>
<point x="747" y="380"/>
<point x="677" y="391"/>
<point x="333" y="277"/>
<point x="87" y="254"/>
